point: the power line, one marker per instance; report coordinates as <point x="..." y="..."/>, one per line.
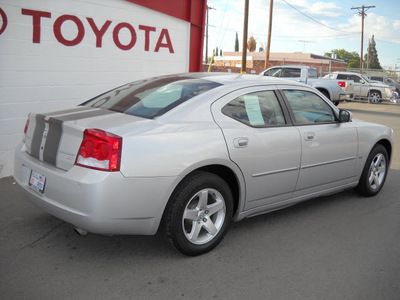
<point x="312" y="19"/>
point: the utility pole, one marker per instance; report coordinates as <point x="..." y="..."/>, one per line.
<point x="245" y="24"/>
<point x="362" y="14"/>
<point x="208" y="8"/>
<point x="271" y="5"/>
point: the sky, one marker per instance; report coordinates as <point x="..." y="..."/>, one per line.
<point x="310" y="26"/>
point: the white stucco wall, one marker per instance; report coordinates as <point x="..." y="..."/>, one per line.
<point x="46" y="73"/>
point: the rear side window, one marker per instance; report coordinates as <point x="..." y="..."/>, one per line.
<point x="275" y="72"/>
<point x="308" y="108"/>
<point x="152" y="98"/>
<point x="291" y="72"/>
<point x="342" y="76"/>
<point x="260" y="109"/>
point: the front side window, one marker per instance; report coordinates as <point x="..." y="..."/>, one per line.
<point x="356" y="78"/>
<point x="260" y="109"/>
<point x="312" y="73"/>
<point x="308" y="108"/>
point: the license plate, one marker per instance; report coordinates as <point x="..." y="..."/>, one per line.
<point x="37" y="182"/>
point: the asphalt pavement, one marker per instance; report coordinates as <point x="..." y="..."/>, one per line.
<point x="342" y="246"/>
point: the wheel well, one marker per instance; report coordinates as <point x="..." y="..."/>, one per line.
<point x="325" y="92"/>
<point x="226" y="174"/>
<point x="373" y="91"/>
<point x="230" y="178"/>
<point x="388" y="146"/>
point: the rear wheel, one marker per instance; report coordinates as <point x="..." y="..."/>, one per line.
<point x="199" y="213"/>
<point x="374" y="173"/>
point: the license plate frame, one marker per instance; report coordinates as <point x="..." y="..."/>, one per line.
<point x="37" y="182"/>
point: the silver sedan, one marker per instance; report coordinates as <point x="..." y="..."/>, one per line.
<point x="187" y="154"/>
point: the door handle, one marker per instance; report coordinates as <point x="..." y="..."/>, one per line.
<point x="241" y="142"/>
<point x="309" y="136"/>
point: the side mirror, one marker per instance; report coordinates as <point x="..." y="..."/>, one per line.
<point x="345" y="116"/>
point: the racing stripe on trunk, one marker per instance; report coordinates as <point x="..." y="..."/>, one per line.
<point x="37" y="136"/>
<point x="49" y="128"/>
<point x="52" y="141"/>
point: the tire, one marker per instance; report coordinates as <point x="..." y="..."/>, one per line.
<point x="336" y="103"/>
<point x="199" y="213"/>
<point x="374" y="173"/>
<point x="375" y="97"/>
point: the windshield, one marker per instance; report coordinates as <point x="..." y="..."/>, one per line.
<point x="153" y="97"/>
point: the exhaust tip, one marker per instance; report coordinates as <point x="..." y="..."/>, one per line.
<point x="81" y="231"/>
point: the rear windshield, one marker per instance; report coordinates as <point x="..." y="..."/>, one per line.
<point x="153" y="97"/>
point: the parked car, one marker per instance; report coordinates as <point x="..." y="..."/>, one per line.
<point x="363" y="87"/>
<point x="187" y="154"/>
<point x="335" y="90"/>
<point x="387" y="80"/>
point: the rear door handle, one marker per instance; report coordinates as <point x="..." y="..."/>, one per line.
<point x="241" y="142"/>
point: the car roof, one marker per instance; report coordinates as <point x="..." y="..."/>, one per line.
<point x="238" y="79"/>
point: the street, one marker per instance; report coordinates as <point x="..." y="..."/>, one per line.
<point x="342" y="246"/>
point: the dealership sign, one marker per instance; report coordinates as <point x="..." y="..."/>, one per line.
<point x="163" y="41"/>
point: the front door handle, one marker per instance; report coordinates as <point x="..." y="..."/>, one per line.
<point x="241" y="142"/>
<point x="309" y="136"/>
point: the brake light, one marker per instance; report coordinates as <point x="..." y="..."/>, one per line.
<point x="342" y="83"/>
<point x="100" y="150"/>
<point x="26" y="127"/>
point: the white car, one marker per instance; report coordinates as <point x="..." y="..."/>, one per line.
<point x="189" y="153"/>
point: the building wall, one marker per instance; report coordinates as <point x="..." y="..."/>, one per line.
<point x="57" y="54"/>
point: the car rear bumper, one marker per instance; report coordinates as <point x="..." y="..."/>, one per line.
<point x="98" y="202"/>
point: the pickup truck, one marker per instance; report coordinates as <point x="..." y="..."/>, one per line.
<point x="363" y="87"/>
<point x="335" y="90"/>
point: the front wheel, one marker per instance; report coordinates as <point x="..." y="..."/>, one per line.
<point x="199" y="213"/>
<point x="374" y="173"/>
<point x="375" y="97"/>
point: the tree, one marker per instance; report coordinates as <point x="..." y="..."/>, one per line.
<point x="251" y="44"/>
<point x="237" y="43"/>
<point x="351" y="58"/>
<point x="371" y="60"/>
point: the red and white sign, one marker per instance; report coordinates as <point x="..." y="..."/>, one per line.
<point x="56" y="54"/>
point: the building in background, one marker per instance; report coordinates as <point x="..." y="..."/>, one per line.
<point x="231" y="62"/>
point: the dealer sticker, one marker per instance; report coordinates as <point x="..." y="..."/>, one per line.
<point x="37" y="182"/>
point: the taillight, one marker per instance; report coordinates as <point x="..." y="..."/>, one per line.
<point x="342" y="83"/>
<point x="100" y="150"/>
<point x="26" y="127"/>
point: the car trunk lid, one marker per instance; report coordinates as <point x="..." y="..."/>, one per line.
<point x="55" y="137"/>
